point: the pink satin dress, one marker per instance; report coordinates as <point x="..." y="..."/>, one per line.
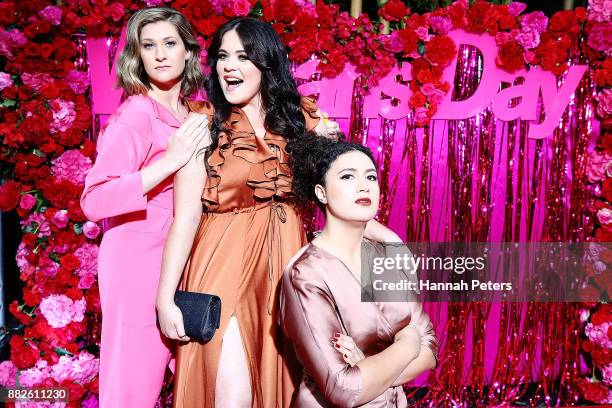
<point x="133" y="352"/>
<point x="319" y="297"/>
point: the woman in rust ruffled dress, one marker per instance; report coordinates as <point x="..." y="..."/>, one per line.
<point x="244" y="231"/>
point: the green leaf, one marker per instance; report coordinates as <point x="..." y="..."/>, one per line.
<point x="421" y="48"/>
<point x="78" y="229"/>
<point x="54" y="257"/>
<point x="63" y="352"/>
<point x="8" y="103"/>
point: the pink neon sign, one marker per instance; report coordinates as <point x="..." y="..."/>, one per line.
<point x="335" y="94"/>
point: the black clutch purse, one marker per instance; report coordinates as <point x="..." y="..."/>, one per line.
<point x="201" y="313"/>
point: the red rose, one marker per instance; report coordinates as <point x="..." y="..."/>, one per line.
<point x="75" y="391"/>
<point x="603" y="235"/>
<point x="510" y="56"/>
<point x="66" y="278"/>
<point x="603" y="76"/>
<point x="9" y="195"/>
<point x="31" y="297"/>
<point x="7" y="13"/>
<point x="19" y="315"/>
<point x="23" y="355"/>
<point x="478" y="17"/>
<point x="10" y="92"/>
<point x="417" y="100"/>
<point x="564" y="21"/>
<point x="607" y="189"/>
<point x="45" y="50"/>
<point x="410" y="39"/>
<point x="441" y="50"/>
<point x="29" y="240"/>
<point x="49" y="91"/>
<point x="334" y="64"/>
<point x="36" y="28"/>
<point x="593" y="391"/>
<point x="116" y="11"/>
<point x="74" y="294"/>
<point x="25" y="93"/>
<point x="602" y="315"/>
<point x="70" y="262"/>
<point x="65" y="49"/>
<point x="393" y="10"/>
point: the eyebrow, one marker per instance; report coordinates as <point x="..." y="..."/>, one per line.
<point x="163" y="39"/>
<point x="353" y="169"/>
<point x="237" y="51"/>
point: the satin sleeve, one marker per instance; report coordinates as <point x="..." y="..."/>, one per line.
<point x="113" y="186"/>
<point x="309" y="320"/>
<point x="418" y="317"/>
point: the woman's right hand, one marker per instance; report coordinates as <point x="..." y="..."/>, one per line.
<point x="193" y="133"/>
<point x="411" y="337"/>
<point x="171" y="323"/>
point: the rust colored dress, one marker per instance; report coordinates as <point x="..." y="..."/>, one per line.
<point x="247" y="235"/>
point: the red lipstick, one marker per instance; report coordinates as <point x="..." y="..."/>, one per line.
<point x="366" y="202"/>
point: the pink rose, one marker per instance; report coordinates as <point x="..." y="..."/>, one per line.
<point x="52" y="14"/>
<point x="36" y="81"/>
<point x="604" y="216"/>
<point x="534" y="21"/>
<point x="441" y="25"/>
<point x="599" y="10"/>
<point x="584" y="315"/>
<point x="78" y="81"/>
<point x="11" y="41"/>
<point x="8" y="373"/>
<point x="606" y="373"/>
<point x="420" y="116"/>
<point x="116" y="11"/>
<point x="393" y="42"/>
<point x="423" y="33"/>
<point x="60" y="219"/>
<point x="241" y="7"/>
<point x="502" y="37"/>
<point x="72" y="165"/>
<point x="63" y="115"/>
<point x="598" y="334"/>
<point x="527" y="39"/>
<point x="604" y="103"/>
<point x="516" y="7"/>
<point x="91" y="230"/>
<point x="86" y="281"/>
<point x="35" y="375"/>
<point x="5" y="80"/>
<point x="80" y="369"/>
<point x="27" y="202"/>
<point x="597" y="163"/>
<point x="60" y="310"/>
<point x="600" y="37"/>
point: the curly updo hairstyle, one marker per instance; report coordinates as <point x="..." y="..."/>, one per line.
<point x="310" y="161"/>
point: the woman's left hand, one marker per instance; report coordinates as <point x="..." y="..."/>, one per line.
<point x="346" y="346"/>
<point x="327" y="128"/>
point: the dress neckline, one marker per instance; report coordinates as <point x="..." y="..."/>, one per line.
<point x="336" y="258"/>
<point x="165" y="114"/>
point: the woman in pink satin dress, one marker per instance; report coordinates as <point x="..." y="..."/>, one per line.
<point x="353" y="353"/>
<point x="144" y="143"/>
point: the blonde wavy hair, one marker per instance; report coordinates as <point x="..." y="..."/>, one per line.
<point x="131" y="75"/>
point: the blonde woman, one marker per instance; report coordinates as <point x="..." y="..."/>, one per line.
<point x="150" y="137"/>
